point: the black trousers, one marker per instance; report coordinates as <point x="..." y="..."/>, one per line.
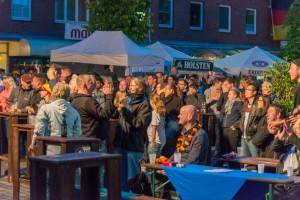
<point x="230" y="140"/>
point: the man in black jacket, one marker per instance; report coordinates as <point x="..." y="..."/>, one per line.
<point x="90" y="111"/>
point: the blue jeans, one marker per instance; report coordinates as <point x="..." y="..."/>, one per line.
<point x="249" y="149"/>
<point x="157" y="149"/>
<point x="129" y="166"/>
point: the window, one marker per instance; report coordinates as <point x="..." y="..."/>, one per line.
<point x="71" y="10"/>
<point x="224" y="18"/>
<point x="196" y="17"/>
<point x="250" y="21"/>
<point x="166" y="13"/>
<point x="21" y="9"/>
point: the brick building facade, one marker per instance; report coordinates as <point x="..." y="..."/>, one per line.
<point x="44" y="24"/>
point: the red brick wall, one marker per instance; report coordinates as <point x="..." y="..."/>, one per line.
<point x="210" y="33"/>
<point x="41" y="23"/>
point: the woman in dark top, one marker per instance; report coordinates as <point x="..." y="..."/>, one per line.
<point x="173" y="104"/>
<point x="230" y="116"/>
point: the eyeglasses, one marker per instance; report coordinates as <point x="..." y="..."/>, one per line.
<point x="260" y="100"/>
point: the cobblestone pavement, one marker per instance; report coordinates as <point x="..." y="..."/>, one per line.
<point x="6" y="188"/>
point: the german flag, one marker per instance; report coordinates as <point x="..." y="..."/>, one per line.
<point x="279" y="10"/>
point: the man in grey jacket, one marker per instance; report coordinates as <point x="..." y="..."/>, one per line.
<point x="196" y="151"/>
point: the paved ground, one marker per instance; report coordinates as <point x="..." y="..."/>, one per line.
<point x="6" y="190"/>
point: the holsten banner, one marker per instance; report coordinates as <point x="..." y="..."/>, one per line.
<point x="193" y="65"/>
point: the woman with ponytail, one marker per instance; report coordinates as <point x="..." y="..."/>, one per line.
<point x="156" y="130"/>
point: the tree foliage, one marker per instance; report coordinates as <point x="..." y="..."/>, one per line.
<point x="282" y="86"/>
<point x="130" y="16"/>
<point x="292" y="22"/>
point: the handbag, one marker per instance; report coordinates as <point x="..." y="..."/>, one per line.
<point x="139" y="184"/>
<point x="286" y="192"/>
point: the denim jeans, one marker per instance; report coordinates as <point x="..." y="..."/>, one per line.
<point x="157" y="149"/>
<point x="249" y="149"/>
<point x="218" y="134"/>
<point x="129" y="166"/>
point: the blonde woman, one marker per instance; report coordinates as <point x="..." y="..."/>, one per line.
<point x="9" y="85"/>
<point x="156" y="130"/>
<point x="134" y="118"/>
<point x="119" y="97"/>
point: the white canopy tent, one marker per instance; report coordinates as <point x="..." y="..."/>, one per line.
<point x="168" y="53"/>
<point x="110" y="48"/>
<point x="250" y="62"/>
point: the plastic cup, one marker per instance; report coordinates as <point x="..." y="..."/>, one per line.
<point x="177" y="157"/>
<point x="152" y="158"/>
<point x="290" y="171"/>
<point x="261" y="168"/>
<point x="239" y="151"/>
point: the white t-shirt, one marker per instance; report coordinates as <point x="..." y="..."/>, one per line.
<point x="159" y="122"/>
<point x="247" y="112"/>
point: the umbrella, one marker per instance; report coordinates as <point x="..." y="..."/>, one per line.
<point x="250" y="62"/>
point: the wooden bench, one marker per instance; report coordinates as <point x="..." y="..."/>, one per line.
<point x="62" y="175"/>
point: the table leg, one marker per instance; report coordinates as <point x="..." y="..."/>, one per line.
<point x="11" y="121"/>
<point x="16" y="163"/>
<point x="270" y="191"/>
<point x="153" y="182"/>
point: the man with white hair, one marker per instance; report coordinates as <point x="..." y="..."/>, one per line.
<point x="193" y="141"/>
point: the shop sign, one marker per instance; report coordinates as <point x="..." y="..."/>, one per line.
<point x="193" y="65"/>
<point x="76" y="31"/>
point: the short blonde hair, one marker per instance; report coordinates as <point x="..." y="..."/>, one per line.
<point x="10" y="81"/>
<point x="81" y="80"/>
<point x="61" y="91"/>
<point x="140" y="83"/>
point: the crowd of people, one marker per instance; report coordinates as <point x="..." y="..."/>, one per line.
<point x="158" y="114"/>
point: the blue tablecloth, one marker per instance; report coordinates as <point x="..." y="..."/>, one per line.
<point x="192" y="182"/>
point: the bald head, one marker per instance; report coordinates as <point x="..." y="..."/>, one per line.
<point x="188" y="115"/>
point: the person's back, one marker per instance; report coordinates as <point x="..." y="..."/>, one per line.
<point x="58" y="116"/>
<point x="91" y="112"/>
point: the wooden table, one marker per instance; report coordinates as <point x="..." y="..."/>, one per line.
<point x="67" y="144"/>
<point x="62" y="175"/>
<point x="12" y="119"/>
<point x="210" y="131"/>
<point x="269" y="181"/>
<point x="268" y="162"/>
<point x="17" y="128"/>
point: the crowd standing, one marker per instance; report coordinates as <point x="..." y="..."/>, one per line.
<point x="159" y="114"/>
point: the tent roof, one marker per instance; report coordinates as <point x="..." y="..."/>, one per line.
<point x="167" y="52"/>
<point x="107" y="47"/>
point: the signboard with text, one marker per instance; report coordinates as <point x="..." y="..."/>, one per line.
<point x="76" y="31"/>
<point x="193" y="65"/>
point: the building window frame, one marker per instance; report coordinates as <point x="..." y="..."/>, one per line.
<point x="170" y="25"/>
<point x="28" y="18"/>
<point x="253" y="32"/>
<point x="228" y="30"/>
<point x="66" y="13"/>
<point x="200" y="27"/>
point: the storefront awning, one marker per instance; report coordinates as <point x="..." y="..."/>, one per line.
<point x="33" y="45"/>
